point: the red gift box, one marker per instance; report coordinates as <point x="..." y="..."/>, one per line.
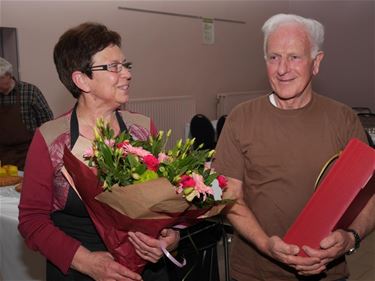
<point x="339" y="198"/>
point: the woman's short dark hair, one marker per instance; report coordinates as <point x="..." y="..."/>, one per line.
<point x="77" y="46"/>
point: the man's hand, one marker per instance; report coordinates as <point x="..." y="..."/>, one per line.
<point x="287" y="254"/>
<point x="333" y="246"/>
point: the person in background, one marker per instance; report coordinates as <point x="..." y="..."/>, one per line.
<point x="272" y="149"/>
<point x="23" y="108"/>
<point x="52" y="218"/>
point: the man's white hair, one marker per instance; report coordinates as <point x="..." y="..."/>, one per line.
<point x="5" y="67"/>
<point x="314" y="29"/>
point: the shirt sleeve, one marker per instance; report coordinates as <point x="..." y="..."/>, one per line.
<point x="353" y="128"/>
<point x="41" y="109"/>
<point x="229" y="159"/>
<point x="35" y="207"/>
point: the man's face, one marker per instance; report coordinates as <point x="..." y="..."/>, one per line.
<point x="5" y="83"/>
<point x="290" y="67"/>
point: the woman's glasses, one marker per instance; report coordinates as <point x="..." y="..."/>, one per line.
<point x="112" y="67"/>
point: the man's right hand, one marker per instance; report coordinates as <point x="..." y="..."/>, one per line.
<point x="287" y="254"/>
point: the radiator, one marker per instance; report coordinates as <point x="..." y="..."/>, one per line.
<point x="166" y="112"/>
<point x="227" y="101"/>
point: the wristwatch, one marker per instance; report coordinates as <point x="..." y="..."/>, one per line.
<point x="357" y="241"/>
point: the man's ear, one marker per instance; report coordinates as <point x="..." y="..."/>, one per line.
<point x="318" y="59"/>
<point x="80" y="80"/>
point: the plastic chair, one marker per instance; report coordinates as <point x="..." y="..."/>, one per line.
<point x="367" y="119"/>
<point x="368" y="122"/>
<point x="220" y="125"/>
<point x="369" y="139"/>
<point x="203" y="131"/>
<point x="198" y="245"/>
<point x="360" y="109"/>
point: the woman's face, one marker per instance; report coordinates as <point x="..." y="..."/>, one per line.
<point x="106" y="87"/>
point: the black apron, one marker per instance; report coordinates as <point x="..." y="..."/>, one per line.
<point x="14" y="136"/>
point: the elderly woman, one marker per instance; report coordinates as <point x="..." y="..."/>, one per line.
<point x="53" y="220"/>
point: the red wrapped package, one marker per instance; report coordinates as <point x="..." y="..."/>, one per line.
<point x="339" y="198"/>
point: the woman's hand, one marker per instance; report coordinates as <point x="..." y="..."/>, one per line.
<point x="101" y="266"/>
<point x="169" y="238"/>
<point x="149" y="248"/>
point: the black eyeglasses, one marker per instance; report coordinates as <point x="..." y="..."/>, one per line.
<point x="112" y="67"/>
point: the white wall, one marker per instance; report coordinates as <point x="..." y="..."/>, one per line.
<point x="169" y="56"/>
<point x="347" y="72"/>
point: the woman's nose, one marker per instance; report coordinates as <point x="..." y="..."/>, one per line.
<point x="125" y="72"/>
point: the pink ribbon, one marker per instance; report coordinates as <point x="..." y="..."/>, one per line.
<point x="168" y="254"/>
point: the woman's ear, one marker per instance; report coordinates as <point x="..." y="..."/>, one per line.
<point x="80" y="80"/>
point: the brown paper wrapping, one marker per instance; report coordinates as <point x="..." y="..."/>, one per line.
<point x="148" y="200"/>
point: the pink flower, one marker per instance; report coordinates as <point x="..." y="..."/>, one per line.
<point x="186" y="181"/>
<point x="88" y="152"/>
<point x="223" y="181"/>
<point x="151" y="162"/>
<point x="110" y="143"/>
<point x="162" y="157"/>
<point x="139" y="151"/>
<point x="128" y="148"/>
<point x="207" y="165"/>
<point x="201" y="187"/>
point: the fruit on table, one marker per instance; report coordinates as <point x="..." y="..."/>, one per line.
<point x="8" y="170"/>
<point x="3" y="172"/>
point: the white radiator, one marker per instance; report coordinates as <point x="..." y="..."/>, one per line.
<point x="167" y="113"/>
<point x="227" y="101"/>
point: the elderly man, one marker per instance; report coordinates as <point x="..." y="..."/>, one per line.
<point x="22" y="109"/>
<point x="272" y="149"/>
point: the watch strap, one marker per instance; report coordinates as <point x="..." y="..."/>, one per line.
<point x="357" y="241"/>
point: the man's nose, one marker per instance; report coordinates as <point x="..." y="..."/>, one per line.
<point x="283" y="66"/>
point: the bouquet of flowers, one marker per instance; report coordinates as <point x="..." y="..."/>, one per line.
<point x="139" y="185"/>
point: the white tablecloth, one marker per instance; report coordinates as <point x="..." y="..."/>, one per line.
<point x="17" y="262"/>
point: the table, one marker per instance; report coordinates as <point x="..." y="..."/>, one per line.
<point x="17" y="262"/>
